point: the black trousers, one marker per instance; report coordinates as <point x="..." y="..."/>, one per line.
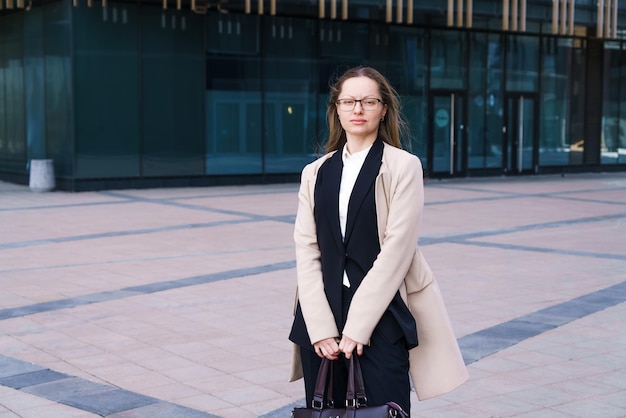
<point x="384" y="363"/>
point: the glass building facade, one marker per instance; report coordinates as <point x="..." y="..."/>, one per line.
<point x="144" y="93"/>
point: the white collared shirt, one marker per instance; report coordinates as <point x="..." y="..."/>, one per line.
<point x="352" y="164"/>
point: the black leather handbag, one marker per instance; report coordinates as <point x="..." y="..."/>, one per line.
<point x="356" y="400"/>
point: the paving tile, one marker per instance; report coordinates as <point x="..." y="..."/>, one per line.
<point x="591" y="408"/>
<point x="184" y="297"/>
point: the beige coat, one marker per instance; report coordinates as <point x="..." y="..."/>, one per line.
<point x="436" y="365"/>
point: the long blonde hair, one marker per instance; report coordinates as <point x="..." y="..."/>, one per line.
<point x="390" y="128"/>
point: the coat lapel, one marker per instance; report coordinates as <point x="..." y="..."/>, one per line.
<point x="332" y="182"/>
<point x="364" y="183"/>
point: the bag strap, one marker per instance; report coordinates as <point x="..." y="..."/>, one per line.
<point x="359" y="382"/>
<point x="320" y="385"/>
<point x="330" y="397"/>
<point x="355" y="394"/>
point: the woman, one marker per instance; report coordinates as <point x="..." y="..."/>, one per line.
<point x="363" y="285"/>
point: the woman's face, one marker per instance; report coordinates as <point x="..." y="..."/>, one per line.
<point x="360" y="122"/>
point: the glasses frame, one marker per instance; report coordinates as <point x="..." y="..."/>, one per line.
<point x="338" y="103"/>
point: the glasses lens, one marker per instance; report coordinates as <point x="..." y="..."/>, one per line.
<point x="369" y="103"/>
<point x="349" y="104"/>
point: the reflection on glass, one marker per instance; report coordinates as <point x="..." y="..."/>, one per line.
<point x="447" y="130"/>
<point x="520" y="131"/>
<point x="233" y="132"/>
<point x="233" y="97"/>
<point x="522" y="63"/>
<point x="561" y="123"/>
<point x="485" y="104"/>
<point x="447" y="67"/>
<point x="613" y="137"/>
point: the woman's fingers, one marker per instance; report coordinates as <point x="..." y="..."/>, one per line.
<point x="359" y="349"/>
<point x="327" y="348"/>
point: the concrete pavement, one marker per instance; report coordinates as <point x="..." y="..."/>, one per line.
<point x="177" y="302"/>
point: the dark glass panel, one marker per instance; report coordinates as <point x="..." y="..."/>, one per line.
<point x="234" y="108"/>
<point x="408" y="72"/>
<point x="58" y="86"/>
<point x="447" y="70"/>
<point x="12" y="66"/>
<point x="289" y="97"/>
<point x="172" y="74"/>
<point x="485" y="101"/>
<point x="34" y="83"/>
<point x="619" y="146"/>
<point x="520" y="132"/>
<point x="107" y="91"/>
<point x="561" y="139"/>
<point x="447" y="126"/>
<point x="522" y="63"/>
<point x="613" y="145"/>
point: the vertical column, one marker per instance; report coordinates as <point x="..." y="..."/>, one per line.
<point x="563" y="17"/>
<point x="388" y="11"/>
<point x="600" y="14"/>
<point x="321" y="11"/>
<point x="399" y="6"/>
<point x="570" y="22"/>
<point x="555" y="17"/>
<point x="514" y="16"/>
<point x="607" y="18"/>
<point x="615" y="15"/>
<point x="461" y="19"/>
<point x="505" y="14"/>
<point x="344" y="9"/>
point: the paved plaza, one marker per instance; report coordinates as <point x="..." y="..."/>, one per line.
<point x="177" y="302"/>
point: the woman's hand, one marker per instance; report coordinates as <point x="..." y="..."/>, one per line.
<point x="347" y="346"/>
<point x="328" y="348"/>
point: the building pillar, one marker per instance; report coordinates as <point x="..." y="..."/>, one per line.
<point x="461" y="18"/>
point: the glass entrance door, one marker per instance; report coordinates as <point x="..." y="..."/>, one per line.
<point x="447" y="128"/>
<point x="520" y="133"/>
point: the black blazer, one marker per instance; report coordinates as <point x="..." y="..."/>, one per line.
<point x="355" y="253"/>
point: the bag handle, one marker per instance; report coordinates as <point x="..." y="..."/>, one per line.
<point x="355" y="394"/>
<point x="320" y="385"/>
<point x="359" y="382"/>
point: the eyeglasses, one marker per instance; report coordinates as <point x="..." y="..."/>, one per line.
<point x="370" y="103"/>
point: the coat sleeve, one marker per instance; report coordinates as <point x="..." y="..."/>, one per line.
<point x="399" y="240"/>
<point x="316" y="311"/>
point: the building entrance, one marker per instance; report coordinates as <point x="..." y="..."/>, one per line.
<point x="447" y="133"/>
<point x="520" y="136"/>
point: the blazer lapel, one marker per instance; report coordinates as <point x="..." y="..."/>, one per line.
<point x="330" y="189"/>
<point x="364" y="183"/>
